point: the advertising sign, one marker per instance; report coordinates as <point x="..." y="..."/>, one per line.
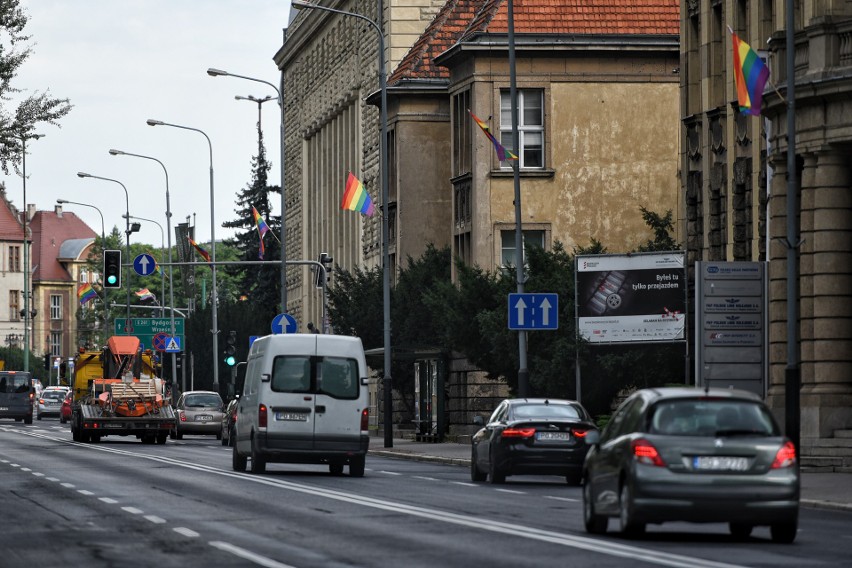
<point x="631" y="297"/>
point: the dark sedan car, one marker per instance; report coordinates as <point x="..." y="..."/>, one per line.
<point x="695" y="455"/>
<point x="532" y="436"/>
<point x="229" y="419"/>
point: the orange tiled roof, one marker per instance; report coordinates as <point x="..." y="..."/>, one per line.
<point x="460" y="19"/>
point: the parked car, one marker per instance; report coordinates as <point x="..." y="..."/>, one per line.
<point x="17" y="396"/>
<point x="198" y="412"/>
<point x="531" y="436"/>
<point x="695" y="455"/>
<point x="229" y="418"/>
<point x="50" y="401"/>
<point x="65" y="409"/>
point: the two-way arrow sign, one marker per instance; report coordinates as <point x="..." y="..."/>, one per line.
<point x="534" y="311"/>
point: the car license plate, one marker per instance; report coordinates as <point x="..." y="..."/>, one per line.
<point x="4" y="408"/>
<point x="204" y="418"/>
<point x="297" y="416"/>
<point x="552" y="436"/>
<point x="719" y="463"/>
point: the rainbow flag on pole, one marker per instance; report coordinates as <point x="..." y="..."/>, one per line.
<point x="262" y="229"/>
<point x="86" y="293"/>
<point x="750" y="74"/>
<point x="145" y="294"/>
<point x="356" y="198"/>
<point x="502" y="153"/>
<point x="200" y="250"/>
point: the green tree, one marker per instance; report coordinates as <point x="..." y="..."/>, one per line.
<point x="37" y="108"/>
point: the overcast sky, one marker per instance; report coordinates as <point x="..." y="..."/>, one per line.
<point x="121" y="62"/>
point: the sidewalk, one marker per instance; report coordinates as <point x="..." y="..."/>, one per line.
<point x="819" y="490"/>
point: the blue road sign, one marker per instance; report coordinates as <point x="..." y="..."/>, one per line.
<point x="173" y="345"/>
<point x="284" y="323"/>
<point x="534" y="311"/>
<point x="144" y="264"/>
<point x="251" y="339"/>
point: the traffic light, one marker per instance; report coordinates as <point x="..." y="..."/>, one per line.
<point x="112" y="269"/>
<point x="231" y="348"/>
<point x="326" y="261"/>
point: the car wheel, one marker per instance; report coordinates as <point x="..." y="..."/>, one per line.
<point x="224" y="441"/>
<point x="740" y="531"/>
<point x="39" y="416"/>
<point x="784" y="533"/>
<point x="161" y="438"/>
<point x="595" y="524"/>
<point x="496" y="475"/>
<point x="27" y="420"/>
<point x="219" y="436"/>
<point x="238" y="462"/>
<point x="475" y="473"/>
<point x="172" y="434"/>
<point x="574" y="479"/>
<point x="232" y="436"/>
<point x="258" y="462"/>
<point x="178" y="435"/>
<point x="629" y="527"/>
<point x="356" y="466"/>
<point x="336" y="468"/>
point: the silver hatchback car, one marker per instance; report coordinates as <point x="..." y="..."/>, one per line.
<point x="198" y="412"/>
<point x="695" y="455"/>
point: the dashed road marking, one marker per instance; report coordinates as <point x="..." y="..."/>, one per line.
<point x="109" y="500"/>
<point x="84" y="492"/>
<point x="561" y="498"/>
<point x="186" y="532"/>
<point x="133" y="510"/>
<point x="155" y="519"/>
<point x="514" y="491"/>
<point x="248" y="555"/>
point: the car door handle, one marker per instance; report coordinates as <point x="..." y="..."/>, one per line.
<point x="319" y="408"/>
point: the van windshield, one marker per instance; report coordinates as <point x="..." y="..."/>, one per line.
<point x="332" y="376"/>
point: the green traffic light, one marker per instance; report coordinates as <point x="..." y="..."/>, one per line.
<point x="112" y="279"/>
<point x="230" y="360"/>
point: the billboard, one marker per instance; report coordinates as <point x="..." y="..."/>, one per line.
<point x="631" y="297"/>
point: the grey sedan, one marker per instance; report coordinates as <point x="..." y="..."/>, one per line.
<point x="199" y="412"/>
<point x="695" y="455"/>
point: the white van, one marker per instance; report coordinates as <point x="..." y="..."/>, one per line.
<point x="305" y="400"/>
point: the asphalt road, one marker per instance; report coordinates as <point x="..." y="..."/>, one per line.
<point x="122" y="503"/>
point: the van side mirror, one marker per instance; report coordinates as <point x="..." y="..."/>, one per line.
<point x="593" y="437"/>
<point x="265" y="377"/>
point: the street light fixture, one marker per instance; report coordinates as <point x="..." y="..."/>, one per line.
<point x="219" y="73"/>
<point x="215" y="302"/>
<point x="128" y="325"/>
<point x="115" y="152"/>
<point x="388" y="403"/>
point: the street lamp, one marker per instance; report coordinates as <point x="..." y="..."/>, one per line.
<point x="23" y="138"/>
<point x="103" y="246"/>
<point x="217" y="73"/>
<point x="114" y="152"/>
<point x="215" y="310"/>
<point x="162" y="253"/>
<point x="128" y="325"/>
<point x="259" y="105"/>
<point x="388" y="405"/>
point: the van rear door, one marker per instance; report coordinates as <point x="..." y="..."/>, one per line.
<point x="293" y="383"/>
<point x="340" y="400"/>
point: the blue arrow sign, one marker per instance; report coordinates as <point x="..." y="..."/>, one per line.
<point x="534" y="311"/>
<point x="144" y="264"/>
<point x="284" y="323"/>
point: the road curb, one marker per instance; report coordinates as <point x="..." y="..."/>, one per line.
<point x="403" y="455"/>
<point x="829" y="505"/>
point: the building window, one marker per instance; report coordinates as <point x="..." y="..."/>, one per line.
<point x="55" y="307"/>
<point x="530" y="127"/>
<point x="463" y="130"/>
<point x="14" y="305"/>
<point x="14" y="259"/>
<point x="56" y="343"/>
<point x="84" y="276"/>
<point x="507" y="245"/>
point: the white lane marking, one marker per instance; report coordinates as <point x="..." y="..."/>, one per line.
<point x="69" y="485"/>
<point x="561" y="498"/>
<point x="25" y="469"/>
<point x="109" y="500"/>
<point x="54" y="479"/>
<point x="600" y="546"/>
<point x="4" y="461"/>
<point x="388" y="472"/>
<point x="511" y="491"/>
<point x="85" y="492"/>
<point x="424" y="478"/>
<point x="133" y="510"/>
<point x="466" y="484"/>
<point x="155" y="519"/>
<point x="248" y="555"/>
<point x="186" y="532"/>
<point x="37" y="474"/>
<point x="15" y="465"/>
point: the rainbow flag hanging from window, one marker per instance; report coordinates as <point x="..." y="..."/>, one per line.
<point x="86" y="293"/>
<point x="262" y="229"/>
<point x="356" y="198"/>
<point x="502" y="153"/>
<point x="750" y="74"/>
<point x="200" y="250"/>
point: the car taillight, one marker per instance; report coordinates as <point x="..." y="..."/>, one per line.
<point x="365" y="420"/>
<point x="580" y="433"/>
<point x="518" y="433"/>
<point x="786" y="456"/>
<point x="647" y="454"/>
<point x="182" y="417"/>
<point x="261" y="416"/>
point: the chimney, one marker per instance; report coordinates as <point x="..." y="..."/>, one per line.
<point x="58" y="210"/>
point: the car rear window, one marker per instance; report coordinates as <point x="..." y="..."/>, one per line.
<point x="14" y="383"/>
<point x="202" y="400"/>
<point x="58" y="395"/>
<point x="711" y="417"/>
<point x="545" y="411"/>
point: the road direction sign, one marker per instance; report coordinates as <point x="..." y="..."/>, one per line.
<point x="146" y="328"/>
<point x="144" y="264"/>
<point x="284" y="323"/>
<point x="534" y="311"/>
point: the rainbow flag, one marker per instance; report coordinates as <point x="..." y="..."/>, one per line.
<point x="502" y="153"/>
<point x="356" y="198"/>
<point x="750" y="74"/>
<point x="145" y="294"/>
<point x="200" y="250"/>
<point x="262" y="229"/>
<point x="86" y="293"/>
